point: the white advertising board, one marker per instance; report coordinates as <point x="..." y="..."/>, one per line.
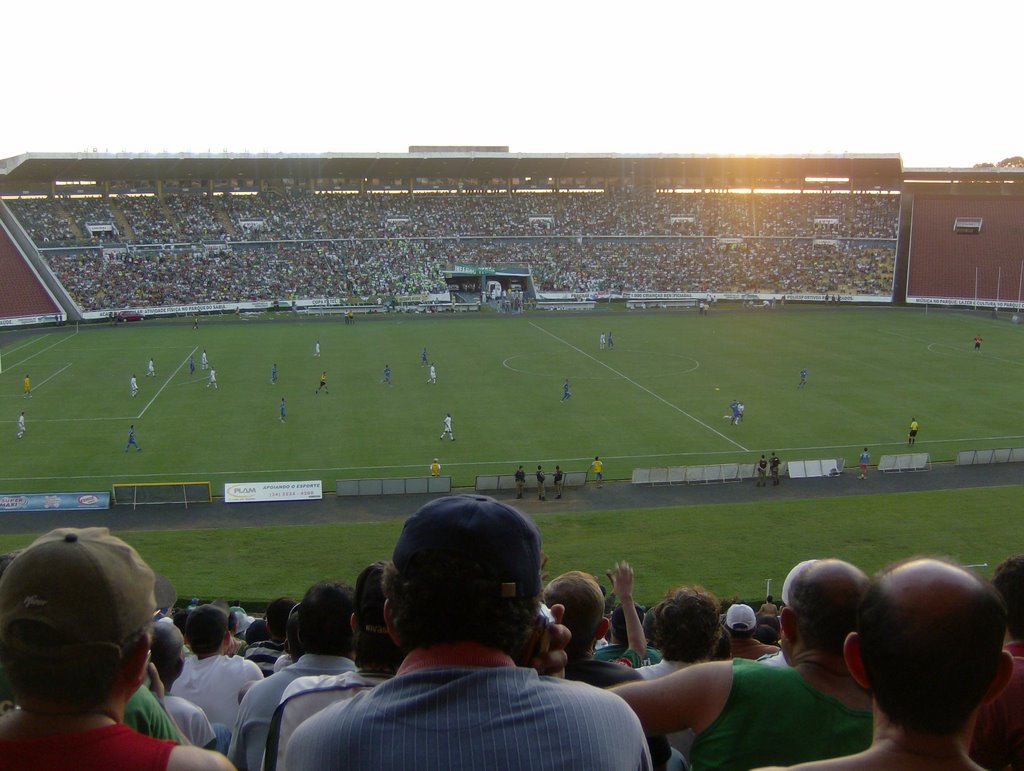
<point x="261" y="492"/>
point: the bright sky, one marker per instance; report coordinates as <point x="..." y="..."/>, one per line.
<point x="934" y="82"/>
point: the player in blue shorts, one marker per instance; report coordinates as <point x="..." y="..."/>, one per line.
<point x="803" y="378"/>
<point x="566" y="393"/>
<point x="131" y="439"/>
<point x="191" y="365"/>
<point x="423" y="358"/>
<point x="387" y="375"/>
<point x="273" y="376"/>
<point x="282" y="409"/>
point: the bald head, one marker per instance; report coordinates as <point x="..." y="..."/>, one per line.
<point x="584" y="608"/>
<point x="824" y="597"/>
<point x="165" y="650"/>
<point x="930" y="637"/>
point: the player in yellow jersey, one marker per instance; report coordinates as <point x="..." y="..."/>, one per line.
<point x="435" y="468"/>
<point x="28" y="388"/>
<point x="598" y="468"/>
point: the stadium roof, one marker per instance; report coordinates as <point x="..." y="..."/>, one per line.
<point x="36" y="168"/>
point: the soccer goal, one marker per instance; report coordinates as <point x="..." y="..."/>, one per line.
<point x="155" y="493"/>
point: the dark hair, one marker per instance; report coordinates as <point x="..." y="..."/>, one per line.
<point x="1009" y="582"/>
<point x="277" y="616"/>
<point x="165" y="651"/>
<point x="825" y="598"/>
<point x="928" y="671"/>
<point x="584" y="608"/>
<point x="77" y="679"/>
<point x="685" y="626"/>
<point x="324" y="619"/>
<point x="293" y="643"/>
<point x="449" y="598"/>
<point x="374" y="648"/>
<point x="205" y="628"/>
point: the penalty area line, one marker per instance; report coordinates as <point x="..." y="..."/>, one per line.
<point x="167" y="382"/>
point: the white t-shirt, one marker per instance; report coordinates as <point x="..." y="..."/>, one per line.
<point x="213" y="683"/>
<point x="190" y="719"/>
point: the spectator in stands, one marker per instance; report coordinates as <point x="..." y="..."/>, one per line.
<point x="628" y="644"/>
<point x="76" y="611"/>
<point x="581" y="596"/>
<point x="265" y="652"/>
<point x="928" y="646"/>
<point x="376" y="656"/>
<point x="684" y="628"/>
<point x="768" y="607"/>
<point x="999" y="732"/>
<point x="741" y="623"/>
<point x="324" y="627"/>
<point x="211" y="679"/>
<point x="167" y="652"/>
<point x="463" y="595"/>
<point x="734" y="707"/>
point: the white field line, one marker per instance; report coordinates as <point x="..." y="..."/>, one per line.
<point x="166" y="383"/>
<point x="967" y="348"/>
<point x="642" y="388"/>
<point x="37" y="353"/>
<point x="51" y="377"/>
<point x="896" y="446"/>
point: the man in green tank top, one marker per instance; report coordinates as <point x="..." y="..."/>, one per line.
<point x="747" y="714"/>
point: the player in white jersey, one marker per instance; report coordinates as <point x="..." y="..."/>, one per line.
<point x="204" y="363"/>
<point x="448" y="428"/>
<point x="316" y="350"/>
<point x="432" y="378"/>
<point x="213" y="379"/>
<point x="21" y="425"/>
<point x="150" y="368"/>
<point x="133" y="386"/>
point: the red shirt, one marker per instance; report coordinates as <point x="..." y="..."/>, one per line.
<point x="101" y="749"/>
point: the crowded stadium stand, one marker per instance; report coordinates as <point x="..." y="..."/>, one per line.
<point x="161" y="232"/>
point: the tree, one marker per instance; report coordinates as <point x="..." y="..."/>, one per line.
<point x="1013" y="162"/>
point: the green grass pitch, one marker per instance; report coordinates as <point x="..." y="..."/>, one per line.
<point x="657" y="398"/>
<point x="652" y="400"/>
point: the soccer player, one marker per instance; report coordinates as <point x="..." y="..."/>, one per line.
<point x="21" y="424"/>
<point x="435" y="468"/>
<point x="803" y="379"/>
<point x="611" y="343"/>
<point x="601" y="342"/>
<point x="323" y="384"/>
<point x="865" y="459"/>
<point x="448" y="427"/>
<point x="150" y="368"/>
<point x="566" y="393"/>
<point x="273" y="375"/>
<point x="740" y="408"/>
<point x="734" y="406"/>
<point x="282" y="409"/>
<point x="191" y="365"/>
<point x="423" y="358"/>
<point x="598" y="468"/>
<point x="204" y="363"/>
<point x="27" y="385"/>
<point x="387" y="375"/>
<point x="977" y="342"/>
<point x="131" y="439"/>
<point x="912" y="436"/>
<point x="213" y="379"/>
<point x="195" y="322"/>
<point x="432" y="377"/>
<point x="133" y="386"/>
<point x="316" y="350"/>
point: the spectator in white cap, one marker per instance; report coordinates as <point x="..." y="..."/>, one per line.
<point x="76" y="610"/>
<point x="741" y="623"/>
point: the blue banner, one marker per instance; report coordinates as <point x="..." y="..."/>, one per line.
<point x="54" y="501"/>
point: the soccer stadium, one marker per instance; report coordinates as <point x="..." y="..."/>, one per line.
<point x="254" y="367"/>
